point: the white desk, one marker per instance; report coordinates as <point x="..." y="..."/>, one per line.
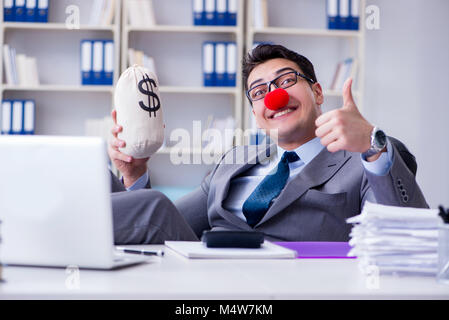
<point x="175" y="277"/>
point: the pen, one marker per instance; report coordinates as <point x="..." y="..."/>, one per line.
<point x="159" y="253"/>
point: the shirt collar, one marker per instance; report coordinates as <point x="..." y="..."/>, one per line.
<point x="307" y="151"/>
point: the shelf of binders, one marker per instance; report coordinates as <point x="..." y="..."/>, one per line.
<point x="148" y="25"/>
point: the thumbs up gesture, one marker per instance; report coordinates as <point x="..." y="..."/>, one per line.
<point x="344" y="128"/>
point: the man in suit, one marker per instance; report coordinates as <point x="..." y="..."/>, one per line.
<point x="320" y="171"/>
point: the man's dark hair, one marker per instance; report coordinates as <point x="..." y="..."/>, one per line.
<point x="265" y="52"/>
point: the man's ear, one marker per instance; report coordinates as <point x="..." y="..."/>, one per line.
<point x="318" y="93"/>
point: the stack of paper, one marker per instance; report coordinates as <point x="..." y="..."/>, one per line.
<point x="19" y="68"/>
<point x="345" y="69"/>
<point x="140" y="58"/>
<point x="141" y="13"/>
<point x="395" y="239"/>
<point x="102" y="13"/>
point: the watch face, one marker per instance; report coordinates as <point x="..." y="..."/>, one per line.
<point x="380" y="139"/>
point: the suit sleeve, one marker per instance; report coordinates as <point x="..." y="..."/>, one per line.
<point x="194" y="206"/>
<point x="398" y="187"/>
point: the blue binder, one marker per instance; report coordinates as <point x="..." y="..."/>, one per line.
<point x="6" y="117"/>
<point x="86" y="54"/>
<point x="343" y="13"/>
<point x="19" y="11"/>
<point x="332" y="14"/>
<point x="354" y="15"/>
<point x="108" y="62"/>
<point x="209" y="64"/>
<point x="30" y="10"/>
<point x="16" y="117"/>
<point x="220" y="64"/>
<point x="211" y="13"/>
<point x="97" y="62"/>
<point x="42" y="11"/>
<point x="231" y="13"/>
<point x="9" y="10"/>
<point x="231" y="64"/>
<point x="221" y="7"/>
<point x="29" y="111"/>
<point x="199" y="14"/>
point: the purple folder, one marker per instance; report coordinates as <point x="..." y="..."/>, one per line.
<point x="319" y="250"/>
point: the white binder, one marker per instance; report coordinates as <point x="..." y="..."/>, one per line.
<point x="29" y="116"/>
<point x="6" y="117"/>
<point x="97" y="62"/>
<point x="220" y="63"/>
<point x="231" y="64"/>
<point x="86" y="62"/>
<point x="17" y="117"/>
<point x="108" y="62"/>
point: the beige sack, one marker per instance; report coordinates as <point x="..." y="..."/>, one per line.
<point x="139" y="112"/>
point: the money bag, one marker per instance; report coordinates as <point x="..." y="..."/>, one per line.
<point x="139" y="112"/>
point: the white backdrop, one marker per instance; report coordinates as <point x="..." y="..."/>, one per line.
<point x="407" y="85"/>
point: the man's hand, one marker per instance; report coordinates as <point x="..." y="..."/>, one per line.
<point x="131" y="169"/>
<point x="345" y="128"/>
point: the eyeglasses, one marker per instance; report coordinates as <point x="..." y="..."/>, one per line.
<point x="284" y="81"/>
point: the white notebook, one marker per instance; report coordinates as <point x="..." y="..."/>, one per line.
<point x="198" y="250"/>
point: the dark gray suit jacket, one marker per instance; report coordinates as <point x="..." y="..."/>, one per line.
<point x="315" y="204"/>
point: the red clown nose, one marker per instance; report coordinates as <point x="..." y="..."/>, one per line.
<point x="276" y="99"/>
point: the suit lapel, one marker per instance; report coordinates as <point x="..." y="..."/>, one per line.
<point x="250" y="157"/>
<point x="317" y="172"/>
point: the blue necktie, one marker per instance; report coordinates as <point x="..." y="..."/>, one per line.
<point x="271" y="186"/>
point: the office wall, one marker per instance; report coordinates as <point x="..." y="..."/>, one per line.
<point x="407" y="82"/>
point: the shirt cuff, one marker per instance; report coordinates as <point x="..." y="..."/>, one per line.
<point x="382" y="165"/>
<point x="140" y="183"/>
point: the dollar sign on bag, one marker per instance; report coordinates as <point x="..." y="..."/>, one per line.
<point x="152" y="107"/>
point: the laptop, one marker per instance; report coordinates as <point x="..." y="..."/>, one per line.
<point x="55" y="205"/>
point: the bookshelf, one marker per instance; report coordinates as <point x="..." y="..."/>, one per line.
<point x="62" y="103"/>
<point x="176" y="46"/>
<point x="303" y="28"/>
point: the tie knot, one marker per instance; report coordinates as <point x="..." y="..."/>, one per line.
<point x="290" y="156"/>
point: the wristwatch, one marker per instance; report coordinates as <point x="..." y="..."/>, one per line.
<point x="378" y="142"/>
